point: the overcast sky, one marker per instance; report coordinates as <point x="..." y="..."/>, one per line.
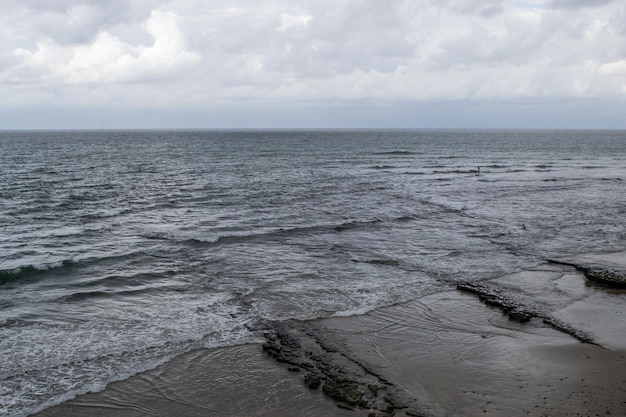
<point x="312" y="63"/>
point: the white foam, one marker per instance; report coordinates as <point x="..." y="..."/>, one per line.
<point x="47" y="363"/>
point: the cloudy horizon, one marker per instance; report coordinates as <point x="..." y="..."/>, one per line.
<point x="359" y="63"/>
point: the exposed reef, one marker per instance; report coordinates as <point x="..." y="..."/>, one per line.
<point x="611" y="276"/>
<point x="350" y="383"/>
<point x="519" y="312"/>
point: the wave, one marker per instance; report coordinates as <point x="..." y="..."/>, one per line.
<point x="106" y="213"/>
<point x="383" y="167"/>
<point x="282" y="233"/>
<point x="445" y="207"/>
<point x="31" y="272"/>
<point x="357" y="224"/>
<point x="88" y="295"/>
<point x="135" y="281"/>
<point x="457" y="171"/>
<point x="65" y="380"/>
<point x="397" y="153"/>
<point x="379" y="261"/>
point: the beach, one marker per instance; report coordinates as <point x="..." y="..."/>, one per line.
<point x="444" y="354"/>
<point x="312" y="272"/>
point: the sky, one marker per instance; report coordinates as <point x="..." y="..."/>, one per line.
<point x="84" y="64"/>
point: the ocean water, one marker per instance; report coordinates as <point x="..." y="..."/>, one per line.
<point x="122" y="249"/>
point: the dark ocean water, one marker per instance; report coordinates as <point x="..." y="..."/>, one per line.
<point x="120" y="250"/>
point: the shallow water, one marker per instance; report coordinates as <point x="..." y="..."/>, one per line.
<point x="208" y="382"/>
<point x="120" y="250"/>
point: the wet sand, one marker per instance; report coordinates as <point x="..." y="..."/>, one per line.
<point x="455" y="357"/>
<point x="233" y="381"/>
<point x="446" y="354"/>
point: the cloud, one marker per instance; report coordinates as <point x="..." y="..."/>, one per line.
<point x="73" y="22"/>
<point x="109" y="59"/>
<point x="198" y="54"/>
<point x="289" y="21"/>
<point x="486" y="8"/>
<point x="614" y="68"/>
<point x="577" y="4"/>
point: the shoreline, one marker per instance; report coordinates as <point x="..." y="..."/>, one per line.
<point x="444" y="354"/>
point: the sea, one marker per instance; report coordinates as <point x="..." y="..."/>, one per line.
<point x="120" y="250"/>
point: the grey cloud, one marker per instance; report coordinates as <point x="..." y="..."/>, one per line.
<point x="485" y="8"/>
<point x="343" y="39"/>
<point x="521" y="42"/>
<point x="618" y="23"/>
<point x="7" y="64"/>
<point x="62" y="6"/>
<point x="480" y="47"/>
<point x="364" y="35"/>
<point x="58" y="6"/>
<point x="577" y="4"/>
<point x="79" y="21"/>
<point x="237" y="52"/>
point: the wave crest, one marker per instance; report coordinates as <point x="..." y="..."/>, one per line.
<point x="30" y="271"/>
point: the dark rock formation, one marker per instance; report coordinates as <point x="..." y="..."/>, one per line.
<point x="495" y="297"/>
<point x="611" y="277"/>
<point x="348" y="382"/>
<point x="312" y="381"/>
<point x="516" y="311"/>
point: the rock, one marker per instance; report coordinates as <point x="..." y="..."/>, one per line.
<point x="350" y="393"/>
<point x="350" y="383"/>
<point x="312" y="381"/>
<point x="494" y="297"/>
<point x="608" y="277"/>
<point x="611" y="275"/>
<point x="519" y="316"/>
<point x="520" y="313"/>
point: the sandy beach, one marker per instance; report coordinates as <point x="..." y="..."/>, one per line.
<point x="445" y="354"/>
